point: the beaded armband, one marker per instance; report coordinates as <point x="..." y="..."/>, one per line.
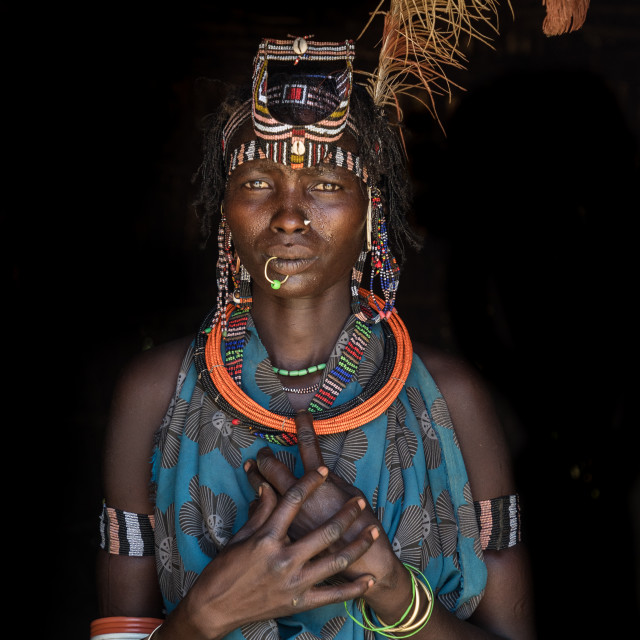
<point x="131" y="534"/>
<point x="125" y="533"/>
<point x="499" y="522"/>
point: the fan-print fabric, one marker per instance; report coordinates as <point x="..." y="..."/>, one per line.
<point x="407" y="462"/>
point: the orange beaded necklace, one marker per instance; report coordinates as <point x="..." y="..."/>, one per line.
<point x="358" y="416"/>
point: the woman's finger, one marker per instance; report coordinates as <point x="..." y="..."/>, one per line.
<point x="263" y="508"/>
<point x="317" y="542"/>
<point x="320" y="596"/>
<point x="254" y="476"/>
<point x="292" y="500"/>
<point x="308" y="444"/>
<point x="276" y="473"/>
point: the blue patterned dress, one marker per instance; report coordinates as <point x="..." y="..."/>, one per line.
<point x="407" y="462"/>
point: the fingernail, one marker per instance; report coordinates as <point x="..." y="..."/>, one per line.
<point x="259" y="491"/>
<point x="247" y="465"/>
<point x="375" y="533"/>
<point x="362" y="503"/>
<point x="323" y="471"/>
<point x="371" y="582"/>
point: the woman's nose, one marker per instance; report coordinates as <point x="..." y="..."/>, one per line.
<point x="290" y="215"/>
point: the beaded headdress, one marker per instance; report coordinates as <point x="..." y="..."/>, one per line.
<point x="303" y="109"/>
<point x="299" y="107"/>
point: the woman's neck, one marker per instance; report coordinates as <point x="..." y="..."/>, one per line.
<point x="302" y="332"/>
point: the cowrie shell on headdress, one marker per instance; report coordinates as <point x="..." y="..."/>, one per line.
<point x="297" y="146"/>
<point x="300" y="46"/>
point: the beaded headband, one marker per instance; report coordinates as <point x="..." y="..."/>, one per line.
<point x="299" y="106"/>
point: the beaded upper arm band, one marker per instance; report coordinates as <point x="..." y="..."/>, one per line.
<point x="131" y="534"/>
<point x="125" y="533"/>
<point x="499" y="522"/>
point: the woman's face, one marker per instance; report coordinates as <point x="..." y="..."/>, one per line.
<point x="266" y="205"/>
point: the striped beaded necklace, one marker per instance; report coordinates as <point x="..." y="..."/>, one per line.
<point x="334" y="382"/>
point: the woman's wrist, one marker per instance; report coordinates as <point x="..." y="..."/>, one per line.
<point x="195" y="619"/>
<point x="401" y="623"/>
<point x="392" y="595"/>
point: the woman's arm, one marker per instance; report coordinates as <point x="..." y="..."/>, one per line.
<point x="506" y="608"/>
<point x="128" y="586"/>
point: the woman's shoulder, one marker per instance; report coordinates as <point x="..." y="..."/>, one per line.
<point x="472" y="407"/>
<point x="140" y="401"/>
<point x="147" y="383"/>
<point x="155" y="369"/>
<point x="452" y="373"/>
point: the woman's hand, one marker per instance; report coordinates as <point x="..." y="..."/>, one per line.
<point x="263" y="574"/>
<point x="328" y="499"/>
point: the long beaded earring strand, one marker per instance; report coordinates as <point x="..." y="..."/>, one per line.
<point x="242" y="292"/>
<point x="358" y="268"/>
<point x="223" y="266"/>
<point x="383" y="263"/>
<point x="356" y="279"/>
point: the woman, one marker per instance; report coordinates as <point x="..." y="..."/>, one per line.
<point x="313" y="472"/>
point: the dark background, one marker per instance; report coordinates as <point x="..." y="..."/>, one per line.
<point x="529" y="207"/>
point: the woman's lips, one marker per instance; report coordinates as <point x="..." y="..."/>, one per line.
<point x="290" y="266"/>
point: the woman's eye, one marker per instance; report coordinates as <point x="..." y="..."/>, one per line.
<point x="256" y="184"/>
<point x="327" y="186"/>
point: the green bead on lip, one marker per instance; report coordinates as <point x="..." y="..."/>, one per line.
<point x="275" y="284"/>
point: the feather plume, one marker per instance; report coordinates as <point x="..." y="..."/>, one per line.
<point x="421" y="40"/>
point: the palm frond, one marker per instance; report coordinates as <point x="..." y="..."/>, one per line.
<point x="422" y="40"/>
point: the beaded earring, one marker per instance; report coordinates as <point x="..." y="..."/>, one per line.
<point x="223" y="268"/>
<point x="356" y="279"/>
<point x="383" y="263"/>
<point x="242" y="282"/>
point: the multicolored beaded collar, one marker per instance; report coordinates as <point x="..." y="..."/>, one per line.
<point x="220" y="376"/>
